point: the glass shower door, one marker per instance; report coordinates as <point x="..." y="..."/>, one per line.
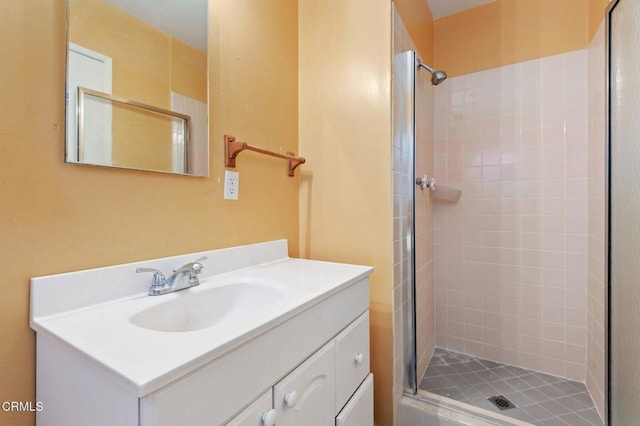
<point x="624" y="212"/>
<point x="404" y="74"/>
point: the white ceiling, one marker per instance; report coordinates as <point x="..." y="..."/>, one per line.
<point x="186" y="20"/>
<point x="440" y="8"/>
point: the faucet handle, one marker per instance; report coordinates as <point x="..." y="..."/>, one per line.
<point x="193" y="268"/>
<point x="196" y="266"/>
<point x="200" y="259"/>
<point x="158" y="279"/>
<point x="155" y="271"/>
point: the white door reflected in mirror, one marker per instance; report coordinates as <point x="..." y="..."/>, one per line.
<point x="87" y="68"/>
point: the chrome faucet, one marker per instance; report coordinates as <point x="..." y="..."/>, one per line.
<point x="161" y="285"/>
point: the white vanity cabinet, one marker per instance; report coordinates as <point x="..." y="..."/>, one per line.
<point x="315" y="392"/>
<point x="300" y="357"/>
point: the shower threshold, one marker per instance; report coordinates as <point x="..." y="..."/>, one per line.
<point x="537" y="398"/>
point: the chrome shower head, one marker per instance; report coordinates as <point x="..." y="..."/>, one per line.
<point x="437" y="76"/>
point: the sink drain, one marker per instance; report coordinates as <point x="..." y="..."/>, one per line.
<point x="502" y="403"/>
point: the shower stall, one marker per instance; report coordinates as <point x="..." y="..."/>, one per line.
<point x="500" y="235"/>
<point x="495" y="284"/>
<point x="516" y="301"/>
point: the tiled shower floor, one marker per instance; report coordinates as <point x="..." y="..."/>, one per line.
<point x="541" y="399"/>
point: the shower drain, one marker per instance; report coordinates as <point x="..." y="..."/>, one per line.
<point x="502" y="403"/>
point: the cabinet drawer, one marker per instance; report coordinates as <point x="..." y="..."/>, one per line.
<point x="359" y="409"/>
<point x="352" y="359"/>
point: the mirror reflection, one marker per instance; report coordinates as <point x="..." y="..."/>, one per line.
<point x="137" y="85"/>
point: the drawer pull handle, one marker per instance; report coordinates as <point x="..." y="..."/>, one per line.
<point x="358" y="358"/>
<point x="291" y="398"/>
<point x="269" y="418"/>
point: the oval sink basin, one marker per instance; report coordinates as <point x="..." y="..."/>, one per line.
<point x="203" y="309"/>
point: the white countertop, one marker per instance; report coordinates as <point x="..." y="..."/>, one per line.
<point x="146" y="360"/>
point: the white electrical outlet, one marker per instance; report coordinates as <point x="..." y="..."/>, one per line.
<point x="231" y="185"/>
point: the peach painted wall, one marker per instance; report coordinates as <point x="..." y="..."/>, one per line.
<point x="511" y="255"/>
<point x="418" y="22"/>
<point x="507" y="32"/>
<point x="345" y="134"/>
<point x="58" y="217"/>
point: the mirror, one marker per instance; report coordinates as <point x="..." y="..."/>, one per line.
<point x="137" y="85"/>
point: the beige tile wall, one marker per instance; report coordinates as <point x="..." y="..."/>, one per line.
<point x="511" y="256"/>
<point x="597" y="243"/>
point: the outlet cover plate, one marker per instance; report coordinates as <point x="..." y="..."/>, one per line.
<point x="231" y="185"/>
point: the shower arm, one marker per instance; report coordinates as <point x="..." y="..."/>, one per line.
<point x="426" y="67"/>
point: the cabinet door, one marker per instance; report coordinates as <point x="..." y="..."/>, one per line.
<point x="259" y="413"/>
<point x="306" y="396"/>
<point x="359" y="409"/>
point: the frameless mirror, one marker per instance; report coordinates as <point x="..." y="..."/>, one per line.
<point x="137" y="85"/>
